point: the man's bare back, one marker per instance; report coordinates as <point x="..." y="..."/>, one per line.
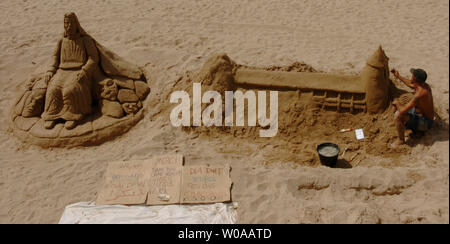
<point x="424" y="103"/>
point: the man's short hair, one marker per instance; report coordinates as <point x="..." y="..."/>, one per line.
<point x="419" y="74"/>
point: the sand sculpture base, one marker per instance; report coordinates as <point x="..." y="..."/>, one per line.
<point x="93" y="130"/>
<point x="105" y="123"/>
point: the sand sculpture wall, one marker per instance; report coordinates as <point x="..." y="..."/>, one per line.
<point x="367" y="92"/>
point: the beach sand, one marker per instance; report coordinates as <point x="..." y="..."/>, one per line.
<point x="270" y="183"/>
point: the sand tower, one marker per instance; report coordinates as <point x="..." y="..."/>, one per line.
<point x="375" y="75"/>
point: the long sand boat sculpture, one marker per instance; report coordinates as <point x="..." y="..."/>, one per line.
<point x="367" y="92"/>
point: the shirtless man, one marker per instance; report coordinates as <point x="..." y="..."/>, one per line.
<point x="418" y="114"/>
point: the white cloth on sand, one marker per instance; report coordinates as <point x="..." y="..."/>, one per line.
<point x="89" y="213"/>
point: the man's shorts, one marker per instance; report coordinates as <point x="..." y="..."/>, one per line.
<point x="417" y="122"/>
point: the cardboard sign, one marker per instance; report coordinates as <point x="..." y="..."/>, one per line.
<point x="165" y="180"/>
<point x="206" y="184"/>
<point x="125" y="183"/>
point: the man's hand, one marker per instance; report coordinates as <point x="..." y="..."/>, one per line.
<point x="395" y="72"/>
<point x="406" y="81"/>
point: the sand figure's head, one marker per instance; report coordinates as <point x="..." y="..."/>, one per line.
<point x="108" y="89"/>
<point x="72" y="26"/>
<point x="131" y="108"/>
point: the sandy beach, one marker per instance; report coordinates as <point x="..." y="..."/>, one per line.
<point x="278" y="180"/>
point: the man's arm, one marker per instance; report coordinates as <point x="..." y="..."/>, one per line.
<point x="406" y="81"/>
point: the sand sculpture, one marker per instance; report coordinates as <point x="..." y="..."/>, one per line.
<point x="313" y="106"/>
<point x="87" y="96"/>
<point x="366" y="92"/>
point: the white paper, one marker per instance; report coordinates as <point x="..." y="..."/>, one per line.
<point x="359" y="134"/>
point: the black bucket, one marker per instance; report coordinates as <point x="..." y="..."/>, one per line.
<point x="328" y="160"/>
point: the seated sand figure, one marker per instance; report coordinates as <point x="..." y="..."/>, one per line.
<point x="84" y="86"/>
<point x="69" y="79"/>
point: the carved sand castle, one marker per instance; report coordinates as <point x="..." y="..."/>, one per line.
<point x="312" y="107"/>
<point x="367" y="92"/>
<point x="87" y="96"/>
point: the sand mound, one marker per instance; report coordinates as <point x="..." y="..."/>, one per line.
<point x="217" y="73"/>
<point x="405" y="98"/>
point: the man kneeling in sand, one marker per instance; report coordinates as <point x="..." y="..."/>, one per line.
<point x="418" y="114"/>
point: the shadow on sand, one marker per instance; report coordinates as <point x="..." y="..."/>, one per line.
<point x="342" y="164"/>
<point x="438" y="133"/>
